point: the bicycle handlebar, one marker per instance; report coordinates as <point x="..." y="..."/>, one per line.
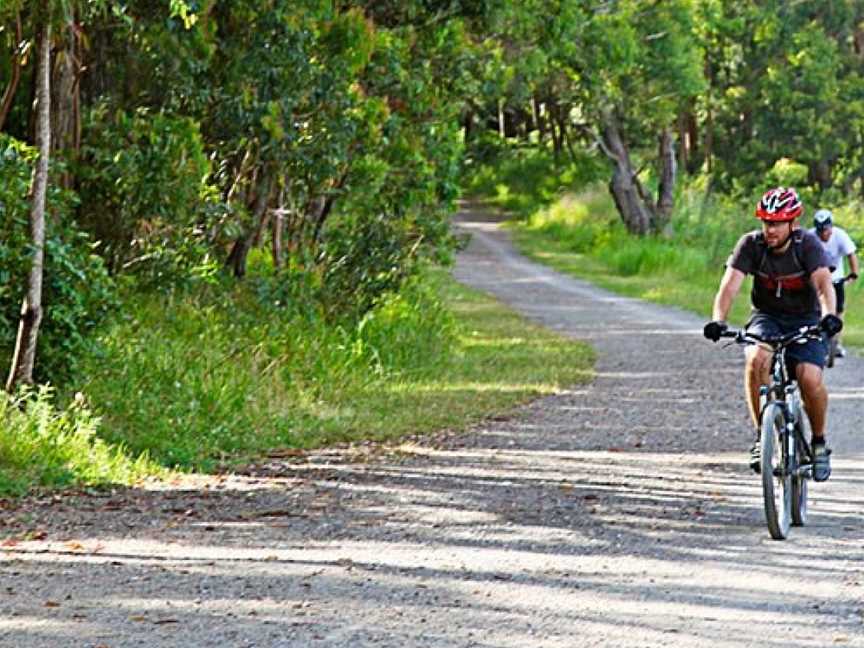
<point x="741" y="336"/>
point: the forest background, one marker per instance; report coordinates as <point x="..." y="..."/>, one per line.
<point x="247" y="203"/>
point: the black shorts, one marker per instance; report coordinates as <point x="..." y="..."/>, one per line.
<point x="812" y="351"/>
<point x="841" y="296"/>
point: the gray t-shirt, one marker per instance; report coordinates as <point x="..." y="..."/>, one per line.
<point x="781" y="282"/>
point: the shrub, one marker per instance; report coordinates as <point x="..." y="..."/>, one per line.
<point x="145" y="192"/>
<point x="41" y="445"/>
<point x="77" y="291"/>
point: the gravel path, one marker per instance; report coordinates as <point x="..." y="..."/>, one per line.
<point x="617" y="514"/>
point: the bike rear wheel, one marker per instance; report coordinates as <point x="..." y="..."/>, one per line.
<point x="776" y="480"/>
<point x="799" y="481"/>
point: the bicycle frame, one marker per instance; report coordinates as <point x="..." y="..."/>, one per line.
<point x="783" y="390"/>
<point x="786" y="456"/>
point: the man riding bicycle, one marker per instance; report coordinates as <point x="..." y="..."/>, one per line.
<point x="838" y="245"/>
<point x="791" y="286"/>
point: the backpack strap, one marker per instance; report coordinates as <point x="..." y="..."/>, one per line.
<point x="797" y="237"/>
<point x="797" y="244"/>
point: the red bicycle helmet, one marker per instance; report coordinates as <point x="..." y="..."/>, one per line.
<point x="779" y="204"/>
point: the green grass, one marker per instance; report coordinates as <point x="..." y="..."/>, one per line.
<point x="498" y="361"/>
<point x="42" y="445"/>
<point x="208" y="379"/>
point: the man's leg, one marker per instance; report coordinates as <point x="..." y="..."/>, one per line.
<point x="840" y="301"/>
<point x="841" y="352"/>
<point x="816" y="404"/>
<point x="757" y="372"/>
<point x="815" y="397"/>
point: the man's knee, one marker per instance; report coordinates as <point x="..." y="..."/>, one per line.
<point x="810" y="378"/>
<point x="758" y="361"/>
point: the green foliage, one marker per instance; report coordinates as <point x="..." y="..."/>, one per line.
<point x="78" y="294"/>
<point x="787" y="173"/>
<point x="522" y="179"/>
<point x="145" y="193"/>
<point x="193" y="377"/>
<point x="199" y="380"/>
<point x="41" y="445"/>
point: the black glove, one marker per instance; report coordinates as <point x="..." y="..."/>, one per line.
<point x="713" y="330"/>
<point x="831" y="325"/>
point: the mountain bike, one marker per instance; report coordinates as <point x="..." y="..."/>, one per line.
<point x="833" y="341"/>
<point x="787" y="456"/>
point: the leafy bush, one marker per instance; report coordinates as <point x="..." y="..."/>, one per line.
<point x="145" y="192"/>
<point x="528" y="179"/>
<point x="41" y="445"/>
<point x="77" y="292"/>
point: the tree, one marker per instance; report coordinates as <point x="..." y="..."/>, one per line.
<point x="24" y="357"/>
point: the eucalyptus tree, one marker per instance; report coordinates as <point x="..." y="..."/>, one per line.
<point x="24" y="357"/>
<point x="616" y="75"/>
<point x="641" y="67"/>
<point x="784" y="82"/>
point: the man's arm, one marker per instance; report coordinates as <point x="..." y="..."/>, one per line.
<point x="730" y="284"/>
<point x="853" y="265"/>
<point x="821" y="278"/>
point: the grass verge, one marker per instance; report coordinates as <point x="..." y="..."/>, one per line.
<point x="202" y="381"/>
<point x="41" y="445"/>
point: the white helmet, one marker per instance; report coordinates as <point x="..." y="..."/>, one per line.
<point x="822" y="219"/>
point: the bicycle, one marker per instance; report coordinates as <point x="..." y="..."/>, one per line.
<point x="833" y="342"/>
<point x="786" y="454"/>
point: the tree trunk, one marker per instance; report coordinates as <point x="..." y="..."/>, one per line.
<point x="65" y="97"/>
<point x="276" y="236"/>
<point x="666" y="188"/>
<point x="555" y="130"/>
<point x="12" y="86"/>
<point x="240" y="250"/>
<point x="624" y="186"/>
<point x="24" y="358"/>
<point x="468" y="125"/>
<point x="539" y="120"/>
<point x="821" y="173"/>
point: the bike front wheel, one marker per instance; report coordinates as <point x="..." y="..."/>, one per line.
<point x="776" y="479"/>
<point x="832" y="351"/>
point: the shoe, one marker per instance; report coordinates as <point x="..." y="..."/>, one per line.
<point x="756" y="456"/>
<point x="840" y="352"/>
<point x="821" y="462"/>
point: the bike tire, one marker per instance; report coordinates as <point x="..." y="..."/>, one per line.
<point x="776" y="481"/>
<point x="799" y="482"/>
<point x="832" y="352"/>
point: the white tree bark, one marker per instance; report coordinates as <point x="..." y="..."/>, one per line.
<point x="24" y="358"/>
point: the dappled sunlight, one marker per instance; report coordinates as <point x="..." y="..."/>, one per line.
<point x="847" y="394"/>
<point x="494" y="533"/>
<point x="480" y="387"/>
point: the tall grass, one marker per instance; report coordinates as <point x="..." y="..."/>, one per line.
<point x="204" y="378"/>
<point x="43" y="445"/>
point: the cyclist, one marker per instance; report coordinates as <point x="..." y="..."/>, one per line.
<point x="838" y="245"/>
<point x="791" y="280"/>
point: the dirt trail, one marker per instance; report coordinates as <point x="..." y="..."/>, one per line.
<point x="618" y="514"/>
